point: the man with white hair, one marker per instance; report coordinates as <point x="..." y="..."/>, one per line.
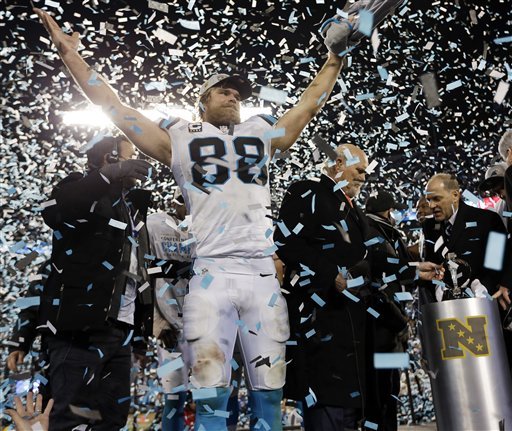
<point x="323" y="239"/>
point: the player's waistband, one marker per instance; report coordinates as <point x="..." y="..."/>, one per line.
<point x="235" y="265"/>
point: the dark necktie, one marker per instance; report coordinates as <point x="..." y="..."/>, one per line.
<point x="447" y="231"/>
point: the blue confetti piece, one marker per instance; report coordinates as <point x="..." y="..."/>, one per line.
<point x="310" y="333"/>
<point x="69" y="252"/>
<point x="327" y="246"/>
<point x="17" y="247"/>
<point x="56" y="301"/>
<point x="107" y="265"/>
<point x="128" y="338"/>
<point x="390" y="360"/>
<point x="318" y="300"/>
<point x="291" y="343"/>
<point x="262" y="423"/>
<point x="370" y="425"/>
<point x="89" y="287"/>
<point x="365" y="96"/>
<point x="304" y="282"/>
<point x="203" y="393"/>
<point x="469" y="292"/>
<point x="170" y="366"/>
<point x="355" y="282"/>
<point x="57" y="234"/>
<point x="470" y="197"/>
<point x="501" y="40"/>
<point x="365" y="22"/>
<point x="403" y="296"/>
<point x="355" y="394"/>
<point x="297" y="228"/>
<point x="329" y="227"/>
<point x="41" y="378"/>
<point x="268" y="233"/>
<point x="273" y="300"/>
<point x="372" y="241"/>
<point x="274" y="133"/>
<point x="284" y="230"/>
<point x="393" y="260"/>
<point x="389" y="278"/>
<point x="206" y="281"/>
<point x="373" y="312"/>
<point x="305" y="194"/>
<point x="313" y="200"/>
<point x="350" y="296"/>
<point x="453" y="85"/>
<point x="27" y="301"/>
<point x="495" y="251"/>
<point x="270" y="250"/>
<point x="383" y="73"/>
<point x="123" y="400"/>
<point x="234" y="364"/>
<point x="221" y="413"/>
<point x="310" y="400"/>
<point x="471" y="224"/>
<point x="180" y="388"/>
<point x="339" y="185"/>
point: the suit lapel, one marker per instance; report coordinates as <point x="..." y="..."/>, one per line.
<point x="458" y="226"/>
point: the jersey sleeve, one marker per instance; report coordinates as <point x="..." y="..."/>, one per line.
<point x="171" y="123"/>
<point x="269" y="119"/>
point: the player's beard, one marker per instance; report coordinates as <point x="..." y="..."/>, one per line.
<point x="224" y="116"/>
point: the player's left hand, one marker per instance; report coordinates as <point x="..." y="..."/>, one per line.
<point x="336" y="32"/>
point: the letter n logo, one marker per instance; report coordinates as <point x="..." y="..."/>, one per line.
<point x="459" y="338"/>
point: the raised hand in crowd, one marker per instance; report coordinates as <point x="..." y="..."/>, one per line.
<point x="30" y="417"/>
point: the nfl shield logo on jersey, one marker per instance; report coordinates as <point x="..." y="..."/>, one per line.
<point x="195" y="127"/>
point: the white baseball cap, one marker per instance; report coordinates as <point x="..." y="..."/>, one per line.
<point x="239" y="83"/>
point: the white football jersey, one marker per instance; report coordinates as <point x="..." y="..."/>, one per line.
<point x="223" y="175"/>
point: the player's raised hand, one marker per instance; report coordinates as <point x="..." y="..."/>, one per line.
<point x="63" y="42"/>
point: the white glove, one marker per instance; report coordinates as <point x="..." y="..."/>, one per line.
<point x="336" y="31"/>
<point x="479" y="289"/>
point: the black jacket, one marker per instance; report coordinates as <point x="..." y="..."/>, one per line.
<point x="469" y="241"/>
<point x="392" y="320"/>
<point x="90" y="257"/>
<point x="318" y="235"/>
<point x="25" y="328"/>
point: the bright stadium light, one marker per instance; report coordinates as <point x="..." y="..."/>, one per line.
<point x="95" y="117"/>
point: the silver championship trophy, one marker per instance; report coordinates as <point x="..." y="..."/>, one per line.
<point x="467" y="362"/>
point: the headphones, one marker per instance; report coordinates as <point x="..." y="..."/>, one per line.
<point x="113" y="156"/>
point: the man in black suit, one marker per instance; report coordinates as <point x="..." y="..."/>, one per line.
<point x="321" y="238"/>
<point x="97" y="300"/>
<point x="464" y="230"/>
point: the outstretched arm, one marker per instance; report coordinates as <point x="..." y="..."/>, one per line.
<point x="311" y="102"/>
<point x="144" y="134"/>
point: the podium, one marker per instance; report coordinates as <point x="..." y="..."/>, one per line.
<point x="471" y="384"/>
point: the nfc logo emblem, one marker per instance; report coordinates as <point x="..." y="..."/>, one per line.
<point x="459" y="338"/>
